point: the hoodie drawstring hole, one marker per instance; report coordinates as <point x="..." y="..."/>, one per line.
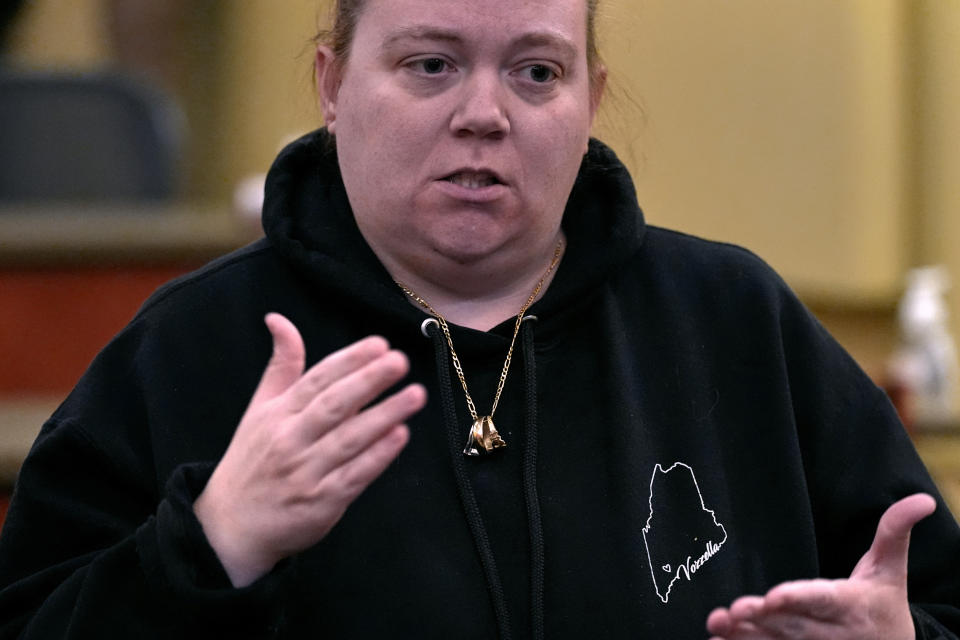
<point x="425" y="324"/>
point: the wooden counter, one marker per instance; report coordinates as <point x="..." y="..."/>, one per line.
<point x="50" y="235"/>
<point x="70" y="278"/>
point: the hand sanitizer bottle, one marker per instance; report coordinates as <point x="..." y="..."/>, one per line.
<point x="925" y="365"/>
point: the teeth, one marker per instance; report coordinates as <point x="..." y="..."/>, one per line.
<point x="472" y="180"/>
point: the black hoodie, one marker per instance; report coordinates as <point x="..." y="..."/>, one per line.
<point x="680" y="432"/>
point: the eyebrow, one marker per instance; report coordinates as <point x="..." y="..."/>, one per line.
<point x="419" y="32"/>
<point x="547" y="39"/>
<point x="532" y="39"/>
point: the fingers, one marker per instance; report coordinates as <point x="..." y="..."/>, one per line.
<point x="722" y="626"/>
<point x="739" y="621"/>
<point x="333" y="391"/>
<point x="815" y="599"/>
<point x="359" y="433"/>
<point x="887" y="557"/>
<point x="340" y="364"/>
<point x="350" y="479"/>
<point x="789" y="626"/>
<point x="816" y="610"/>
<point x="803" y="609"/>
<point x="719" y="623"/>
<point x="345" y="397"/>
<point x="734" y="622"/>
<point x="746" y="607"/>
<point x="287" y="362"/>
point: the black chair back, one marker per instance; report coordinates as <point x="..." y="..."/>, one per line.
<point x="91" y="136"/>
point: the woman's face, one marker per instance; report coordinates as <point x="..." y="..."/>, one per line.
<point x="460" y="125"/>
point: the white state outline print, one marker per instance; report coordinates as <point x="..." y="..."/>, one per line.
<point x="688" y="568"/>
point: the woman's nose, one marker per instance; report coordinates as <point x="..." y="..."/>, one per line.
<point x="481" y="110"/>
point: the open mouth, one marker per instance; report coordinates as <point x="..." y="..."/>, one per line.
<point x="473" y="179"/>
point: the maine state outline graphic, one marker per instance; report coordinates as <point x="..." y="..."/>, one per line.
<point x="681" y="534"/>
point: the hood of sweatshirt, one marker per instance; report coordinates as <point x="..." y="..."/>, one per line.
<point x="308" y="218"/>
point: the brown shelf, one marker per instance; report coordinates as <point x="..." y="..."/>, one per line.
<point x="58" y="234"/>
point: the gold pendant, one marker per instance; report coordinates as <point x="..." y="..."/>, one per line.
<point x="483" y="438"/>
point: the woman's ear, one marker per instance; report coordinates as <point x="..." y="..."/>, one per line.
<point x="598" y="82"/>
<point x="327" y="69"/>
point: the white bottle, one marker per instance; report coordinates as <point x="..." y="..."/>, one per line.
<point x="925" y="364"/>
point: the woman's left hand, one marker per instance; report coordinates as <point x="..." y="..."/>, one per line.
<point x="870" y="604"/>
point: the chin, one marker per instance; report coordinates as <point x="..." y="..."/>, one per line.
<point x="465" y="247"/>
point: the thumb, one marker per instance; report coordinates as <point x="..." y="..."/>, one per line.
<point x="887" y="557"/>
<point x="286" y="364"/>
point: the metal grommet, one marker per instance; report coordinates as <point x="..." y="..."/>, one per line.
<point x="530" y="317"/>
<point x="425" y="324"/>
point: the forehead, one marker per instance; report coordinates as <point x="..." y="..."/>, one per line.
<point x="485" y="21"/>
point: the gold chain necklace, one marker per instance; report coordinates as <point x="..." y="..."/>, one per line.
<point x="483" y="438"/>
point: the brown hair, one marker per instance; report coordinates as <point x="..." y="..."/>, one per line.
<point x="346" y="14"/>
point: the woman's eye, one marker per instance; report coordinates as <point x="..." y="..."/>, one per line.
<point x="431" y="66"/>
<point x="541" y="73"/>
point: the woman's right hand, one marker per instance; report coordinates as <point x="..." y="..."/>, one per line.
<point x="306" y="447"/>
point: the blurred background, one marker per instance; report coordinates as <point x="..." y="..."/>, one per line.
<point x="822" y="134"/>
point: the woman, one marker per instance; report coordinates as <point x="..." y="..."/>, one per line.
<point x="672" y="429"/>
